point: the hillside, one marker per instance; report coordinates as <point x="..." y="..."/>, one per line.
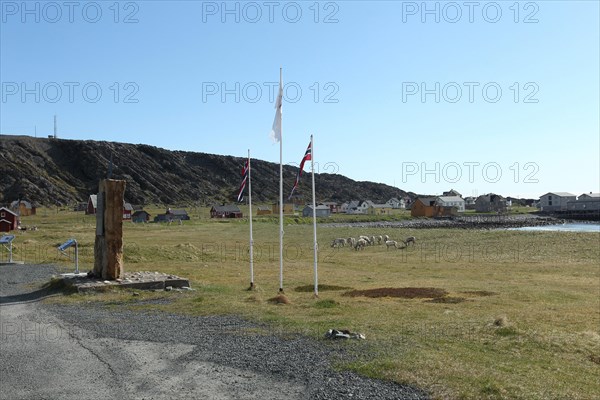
<point x="55" y="171"/>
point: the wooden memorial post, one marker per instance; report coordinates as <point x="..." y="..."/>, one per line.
<point x="108" y="248"/>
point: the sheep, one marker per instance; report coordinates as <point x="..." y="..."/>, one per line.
<point x="372" y="240"/>
<point x="410" y="239"/>
<point x="338" y="242"/>
<point x="385" y="238"/>
<point x="379" y="239"/>
<point x="360" y="244"/>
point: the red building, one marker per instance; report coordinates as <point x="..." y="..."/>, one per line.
<point x="9" y="221"/>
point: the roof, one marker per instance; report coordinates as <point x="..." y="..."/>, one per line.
<point x="227" y="208"/>
<point x="139" y="212"/>
<point x="319" y="207"/>
<point x="393" y="200"/>
<point x="593" y="195"/>
<point x="381" y="206"/>
<point x="561" y="194"/>
<point x="264" y="208"/>
<point x="450" y="198"/>
<point x="177" y="212"/>
<point x="16" y="203"/>
<point x="6" y="209"/>
<point x="491" y="197"/>
<point x="128" y="206"/>
<point x="94" y="199"/>
<point x="426" y="200"/>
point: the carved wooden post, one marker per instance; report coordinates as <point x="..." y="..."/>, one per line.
<point x="108" y="248"/>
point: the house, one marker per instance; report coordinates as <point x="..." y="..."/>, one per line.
<point x="452" y="192"/>
<point x="359" y="207"/>
<point x="9" y="220"/>
<point x="140" y="216"/>
<point x="344" y="207"/>
<point x="333" y="206"/>
<point x="470" y="202"/>
<point x="380" y="209"/>
<point x="431" y="207"/>
<point x="288" y="208"/>
<point x="556" y="201"/>
<point x="172" y="215"/>
<point x="423" y="207"/>
<point x="585" y="202"/>
<point x="396" y="203"/>
<point x="264" y="210"/>
<point x="127" y="211"/>
<point x="23" y="208"/>
<point x="451" y="201"/>
<point x="226" y="211"/>
<point x="92" y="204"/>
<point x="490" y="203"/>
<point x="320" y="211"/>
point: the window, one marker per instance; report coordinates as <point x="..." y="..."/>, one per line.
<point x="3" y="214"/>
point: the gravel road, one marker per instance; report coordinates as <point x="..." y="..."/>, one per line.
<point x="95" y="351"/>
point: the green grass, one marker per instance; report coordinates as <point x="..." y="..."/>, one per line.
<point x="543" y="286"/>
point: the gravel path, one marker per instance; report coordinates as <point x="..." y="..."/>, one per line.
<point x="95" y="351"/>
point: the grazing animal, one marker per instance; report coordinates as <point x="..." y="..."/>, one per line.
<point x="385" y="238"/>
<point x="339" y="242"/>
<point x="390" y="243"/>
<point x="351" y="241"/>
<point x="379" y="239"/>
<point x="360" y="244"/>
<point x="410" y="239"/>
<point x="373" y="240"/>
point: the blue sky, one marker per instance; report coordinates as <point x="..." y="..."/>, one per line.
<point x="496" y="97"/>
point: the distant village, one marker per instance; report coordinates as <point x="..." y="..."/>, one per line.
<point x="449" y="204"/>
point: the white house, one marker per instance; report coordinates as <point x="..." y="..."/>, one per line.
<point x="451" y="201"/>
<point x="396" y="203"/>
<point x="556" y="201"/>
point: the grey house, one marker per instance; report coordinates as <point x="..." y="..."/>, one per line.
<point x="321" y="211"/>
<point x="556" y="201"/>
<point x="490" y="203"/>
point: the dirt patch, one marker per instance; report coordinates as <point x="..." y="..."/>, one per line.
<point x="322" y="288"/>
<point x="480" y="293"/>
<point x="447" y="300"/>
<point x="595" y="359"/>
<point x="405" y="293"/>
<point x="279" y="299"/>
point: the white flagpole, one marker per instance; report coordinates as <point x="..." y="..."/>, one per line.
<point x="281" y="193"/>
<point x="314" y="207"/>
<point x="250" y="214"/>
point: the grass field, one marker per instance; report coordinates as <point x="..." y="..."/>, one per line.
<point x="521" y="317"/>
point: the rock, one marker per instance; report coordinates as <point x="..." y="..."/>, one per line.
<point x="169" y="288"/>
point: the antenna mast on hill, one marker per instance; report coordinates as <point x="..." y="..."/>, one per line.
<point x="55" y="128"/>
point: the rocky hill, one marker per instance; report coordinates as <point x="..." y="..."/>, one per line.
<point x="56" y="171"/>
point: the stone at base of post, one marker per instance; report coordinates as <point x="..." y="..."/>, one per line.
<point x="252" y="287"/>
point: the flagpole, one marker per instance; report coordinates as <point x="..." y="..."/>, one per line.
<point x="250" y="215"/>
<point x="314" y="207"/>
<point x="281" y="194"/>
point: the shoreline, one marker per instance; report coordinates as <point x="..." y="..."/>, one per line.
<point x="462" y="222"/>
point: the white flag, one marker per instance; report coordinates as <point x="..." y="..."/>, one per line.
<point x="276" y="130"/>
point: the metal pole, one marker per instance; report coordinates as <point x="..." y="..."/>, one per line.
<point x="316" y="246"/>
<point x="250" y="214"/>
<point x="76" y="257"/>
<point x="281" y="193"/>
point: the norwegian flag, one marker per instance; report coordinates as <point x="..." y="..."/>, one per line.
<point x="244" y="181"/>
<point x="307" y="156"/>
